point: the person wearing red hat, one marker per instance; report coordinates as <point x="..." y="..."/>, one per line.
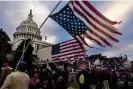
<point x="35" y="82"/>
<point x="5" y="72"/>
<point x="5" y="64"/>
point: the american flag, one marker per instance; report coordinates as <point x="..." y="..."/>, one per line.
<point x="68" y="50"/>
<point x="82" y="20"/>
<point x="81" y="64"/>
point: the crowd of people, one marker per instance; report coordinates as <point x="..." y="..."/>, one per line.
<point x="103" y="79"/>
<point x="45" y="78"/>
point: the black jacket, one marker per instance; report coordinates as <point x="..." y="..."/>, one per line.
<point x="86" y="79"/>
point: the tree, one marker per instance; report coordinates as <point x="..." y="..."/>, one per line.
<point x="5" y="47"/>
<point x="27" y="57"/>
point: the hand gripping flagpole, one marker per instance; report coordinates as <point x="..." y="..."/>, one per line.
<point x="35" y="34"/>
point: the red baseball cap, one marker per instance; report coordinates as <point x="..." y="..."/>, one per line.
<point x="5" y="64"/>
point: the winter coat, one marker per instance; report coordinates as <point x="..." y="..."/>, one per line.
<point x="16" y="80"/>
<point x="86" y="79"/>
<point x="61" y="80"/>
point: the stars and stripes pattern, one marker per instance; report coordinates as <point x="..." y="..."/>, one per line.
<point x="82" y="20"/>
<point x="81" y="64"/>
<point x="68" y="50"/>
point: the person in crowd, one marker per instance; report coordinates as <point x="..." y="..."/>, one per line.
<point x="43" y="73"/>
<point x="131" y="74"/>
<point x="61" y="79"/>
<point x="114" y="80"/>
<point x="32" y="72"/>
<point x="99" y="80"/>
<point x="126" y="80"/>
<point x="55" y="76"/>
<point x="6" y="70"/>
<point x="93" y="81"/>
<point x="35" y="82"/>
<point x="106" y="79"/>
<point x="66" y="73"/>
<point x="83" y="79"/>
<point x="18" y="79"/>
<point x="46" y="78"/>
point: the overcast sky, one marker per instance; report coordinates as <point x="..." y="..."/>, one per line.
<point x="12" y="13"/>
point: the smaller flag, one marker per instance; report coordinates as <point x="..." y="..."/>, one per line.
<point x="67" y="50"/>
<point x="82" y="66"/>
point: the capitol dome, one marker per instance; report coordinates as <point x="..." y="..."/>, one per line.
<point x="29" y="22"/>
<point x="27" y="29"/>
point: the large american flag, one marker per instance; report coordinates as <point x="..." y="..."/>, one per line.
<point x="68" y="50"/>
<point x="82" y="20"/>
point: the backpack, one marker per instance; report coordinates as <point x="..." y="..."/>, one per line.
<point x="81" y="79"/>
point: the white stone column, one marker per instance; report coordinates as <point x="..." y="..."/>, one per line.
<point x="30" y="36"/>
<point x="26" y="35"/>
<point x="35" y="47"/>
<point x="16" y="36"/>
<point x="27" y="28"/>
<point x="31" y="30"/>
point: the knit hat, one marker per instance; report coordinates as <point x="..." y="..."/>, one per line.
<point x="22" y="66"/>
<point x="22" y="63"/>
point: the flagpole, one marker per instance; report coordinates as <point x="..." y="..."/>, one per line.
<point x="35" y="34"/>
<point x="49" y="14"/>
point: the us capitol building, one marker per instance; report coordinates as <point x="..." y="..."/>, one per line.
<point x="27" y="29"/>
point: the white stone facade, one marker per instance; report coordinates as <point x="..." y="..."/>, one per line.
<point x="28" y="29"/>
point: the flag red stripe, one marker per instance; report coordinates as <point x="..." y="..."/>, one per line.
<point x="68" y="42"/>
<point x="67" y="47"/>
<point x="98" y="29"/>
<point x="85" y="42"/>
<point x="97" y="21"/>
<point x="80" y="42"/>
<point x="98" y="13"/>
<point x="69" y="54"/>
<point x="72" y="43"/>
<point x="70" y="48"/>
<point x="76" y="55"/>
<point x="105" y="41"/>
<point x="89" y="37"/>
<point x="78" y="47"/>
